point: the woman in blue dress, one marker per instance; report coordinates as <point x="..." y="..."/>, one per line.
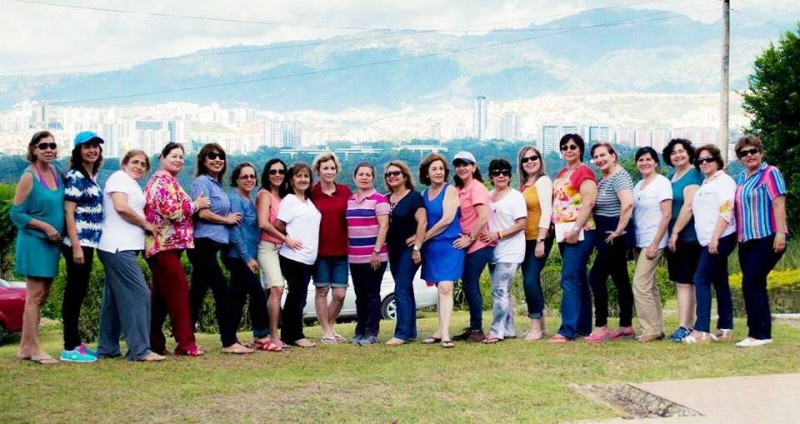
<point x="442" y="263"/>
<point x="38" y="214"/>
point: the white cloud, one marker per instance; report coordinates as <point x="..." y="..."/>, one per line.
<point x="39" y="36"/>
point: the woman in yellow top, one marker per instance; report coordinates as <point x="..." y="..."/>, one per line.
<point x="537" y="188"/>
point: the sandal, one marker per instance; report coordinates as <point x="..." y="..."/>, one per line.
<point x="192" y="353"/>
<point x="42" y="360"/>
<point x="152" y="357"/>
<point x="237" y="349"/>
<point x="329" y="340"/>
<point x="558" y="338"/>
<point x="432" y="340"/>
<point x="394" y="341"/>
<point x="270" y="347"/>
<point x="305" y="343"/>
<point x="490" y="340"/>
<point x="532" y="336"/>
<point x="448" y="344"/>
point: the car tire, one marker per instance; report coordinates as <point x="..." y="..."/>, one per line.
<point x="389" y="308"/>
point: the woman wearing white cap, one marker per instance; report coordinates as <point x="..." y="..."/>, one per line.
<point x="83" y="209"/>
<point x="474" y="204"/>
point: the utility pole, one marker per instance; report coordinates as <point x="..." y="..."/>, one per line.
<point x="724" y="79"/>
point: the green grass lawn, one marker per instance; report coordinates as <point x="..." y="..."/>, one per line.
<point x="513" y="381"/>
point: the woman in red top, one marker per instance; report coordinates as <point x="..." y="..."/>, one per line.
<point x="331" y="268"/>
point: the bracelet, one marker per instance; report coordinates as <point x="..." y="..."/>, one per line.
<point x="471" y="239"/>
<point x="500" y="235"/>
<point x="780" y="235"/>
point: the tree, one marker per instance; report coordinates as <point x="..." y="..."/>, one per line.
<point x="773" y="102"/>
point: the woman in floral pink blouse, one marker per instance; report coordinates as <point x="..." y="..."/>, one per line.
<point x="170" y="209"/>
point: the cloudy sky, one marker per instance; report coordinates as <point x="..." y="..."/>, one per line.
<point x="42" y="34"/>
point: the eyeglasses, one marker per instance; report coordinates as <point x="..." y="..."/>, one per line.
<point x="247" y="177"/>
<point x="277" y="171"/>
<point x="499" y="172"/>
<point x="569" y="147"/>
<point x="45" y="146"/>
<point x="392" y="174"/>
<point x="527" y="159"/>
<point x="216" y="155"/>
<point x="746" y="152"/>
<point x="705" y="159"/>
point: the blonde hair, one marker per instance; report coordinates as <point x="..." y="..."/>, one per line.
<point x="324" y="157"/>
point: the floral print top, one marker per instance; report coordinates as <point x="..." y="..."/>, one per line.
<point x="567" y="195"/>
<point x="170" y="209"/>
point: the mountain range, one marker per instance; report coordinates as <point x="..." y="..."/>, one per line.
<point x="594" y="52"/>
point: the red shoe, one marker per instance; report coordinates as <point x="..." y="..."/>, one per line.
<point x="599" y="335"/>
<point x="191" y="352"/>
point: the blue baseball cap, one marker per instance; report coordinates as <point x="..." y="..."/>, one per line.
<point x="86" y="137"/>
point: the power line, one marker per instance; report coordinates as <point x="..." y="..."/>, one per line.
<point x="796" y="13"/>
<point x="362" y="65"/>
<point x="308" y="44"/>
<point x="750" y="15"/>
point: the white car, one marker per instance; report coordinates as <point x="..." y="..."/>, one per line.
<point x="424" y="296"/>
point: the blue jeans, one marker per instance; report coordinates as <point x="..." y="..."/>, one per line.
<point x="576" y="299"/>
<point x="713" y="269"/>
<point x="532" y="277"/>
<point x="757" y="259"/>
<point x="502" y="307"/>
<point x="126" y="306"/>
<point x="474" y="263"/>
<point x="403" y="269"/>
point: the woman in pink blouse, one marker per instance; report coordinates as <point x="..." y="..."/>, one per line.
<point x="170" y="209"/>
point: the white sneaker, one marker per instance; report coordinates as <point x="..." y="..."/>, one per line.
<point x="751" y="342"/>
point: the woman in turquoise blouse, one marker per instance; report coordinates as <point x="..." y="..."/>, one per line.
<point x="38" y="214"/>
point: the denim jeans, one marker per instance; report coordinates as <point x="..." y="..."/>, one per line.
<point x="297" y="276"/>
<point x="713" y="270"/>
<point x="403" y="270"/>
<point x="757" y="259"/>
<point x="502" y="307"/>
<point x="126" y="306"/>
<point x="474" y="263"/>
<point x="207" y="273"/>
<point x="74" y="293"/>
<point x="611" y="261"/>
<point x="367" y="285"/>
<point x="246" y="284"/>
<point x="532" y="277"/>
<point x="576" y="299"/>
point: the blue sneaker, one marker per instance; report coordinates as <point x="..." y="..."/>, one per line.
<point x="679" y="334"/>
<point x="368" y="341"/>
<point x="77" y="356"/>
<point x="356" y="340"/>
<point x="86" y="350"/>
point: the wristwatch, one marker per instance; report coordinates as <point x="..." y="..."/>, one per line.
<point x="376" y="251"/>
<point x="415" y="248"/>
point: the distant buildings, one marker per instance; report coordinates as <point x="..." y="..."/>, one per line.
<point x="480" y="116"/>
<point x="282" y="133"/>
<point x="510" y="127"/>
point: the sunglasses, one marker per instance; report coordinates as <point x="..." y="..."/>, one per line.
<point x="393" y="174"/>
<point x="499" y="172"/>
<point x="45" y="146"/>
<point x="247" y="177"/>
<point x="277" y="171"/>
<point x="746" y="152"/>
<point x="527" y="159"/>
<point x="705" y="159"/>
<point x="216" y="155"/>
<point x="569" y="147"/>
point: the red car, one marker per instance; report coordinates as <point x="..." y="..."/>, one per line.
<point x="12" y="303"/>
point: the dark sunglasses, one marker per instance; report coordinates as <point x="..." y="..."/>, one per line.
<point x="216" y="155"/>
<point x="569" y="147"/>
<point x="746" y="152"/>
<point x="527" y="159"/>
<point x="498" y="172"/>
<point x="247" y="177"/>
<point x="392" y="174"/>
<point x="45" y="146"/>
<point x="705" y="159"/>
<point x="277" y="171"/>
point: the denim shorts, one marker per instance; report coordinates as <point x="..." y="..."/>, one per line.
<point x="331" y="272"/>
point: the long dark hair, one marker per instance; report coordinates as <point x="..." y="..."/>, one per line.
<point x="265" y="183"/>
<point x="201" y="168"/>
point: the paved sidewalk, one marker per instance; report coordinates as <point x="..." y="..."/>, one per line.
<point x="752" y="399"/>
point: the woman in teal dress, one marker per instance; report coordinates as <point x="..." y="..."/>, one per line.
<point x="38" y="214"/>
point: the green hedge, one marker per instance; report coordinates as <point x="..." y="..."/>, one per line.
<point x="784" y="292"/>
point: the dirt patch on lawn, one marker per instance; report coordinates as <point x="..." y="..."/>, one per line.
<point x="632" y="402"/>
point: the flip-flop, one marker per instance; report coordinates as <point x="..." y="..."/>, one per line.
<point x="45" y="360"/>
<point x="329" y="340"/>
<point x="269" y="347"/>
<point x="432" y="340"/>
<point x="532" y="336"/>
<point x="448" y="344"/>
<point x="305" y="343"/>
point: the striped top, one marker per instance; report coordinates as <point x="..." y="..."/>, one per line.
<point x="88" y="199"/>
<point x="753" y="202"/>
<point x="608" y="188"/>
<point x="362" y="226"/>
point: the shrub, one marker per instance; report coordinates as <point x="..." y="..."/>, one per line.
<point x="784" y="292"/>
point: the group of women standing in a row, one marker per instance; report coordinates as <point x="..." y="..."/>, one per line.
<point x="291" y="229"/>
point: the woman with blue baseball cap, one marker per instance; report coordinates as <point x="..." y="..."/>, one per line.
<point x="83" y="211"/>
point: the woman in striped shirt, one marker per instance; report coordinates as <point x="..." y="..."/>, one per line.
<point x="760" y="204"/>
